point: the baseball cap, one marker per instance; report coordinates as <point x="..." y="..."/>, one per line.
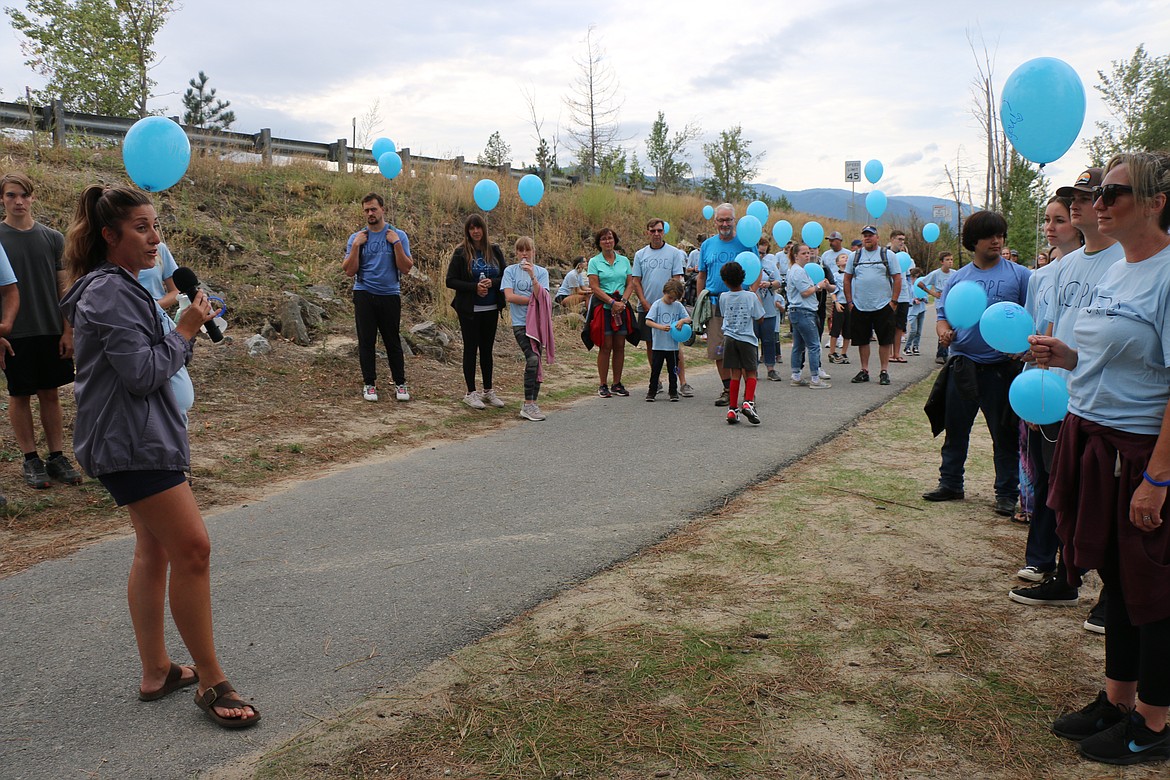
<point x="835" y="236"/>
<point x="869" y="229"/>
<point x="856" y="242"/>
<point x="1085" y="183"/>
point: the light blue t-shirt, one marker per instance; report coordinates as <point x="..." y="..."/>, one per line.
<point x="871" y="286"/>
<point x="740" y="311"/>
<point x="1040" y="288"/>
<point x="1122" y="377"/>
<point x="769" y="272"/>
<point x="153" y="278"/>
<point x="1077" y="277"/>
<point x="655" y="267"/>
<point x="572" y="282"/>
<point x="906" y="295"/>
<point x="693" y="260"/>
<point x="798" y="282"/>
<point x="518" y="281"/>
<point x="1004" y="281"/>
<point x="937" y="280"/>
<point x="180" y="381"/>
<point x="714" y="254"/>
<point x="665" y="314"/>
<point x="377" y="271"/>
<point x="7" y="275"/>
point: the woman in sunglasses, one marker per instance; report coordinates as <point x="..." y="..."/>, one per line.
<point x="1112" y="465"/>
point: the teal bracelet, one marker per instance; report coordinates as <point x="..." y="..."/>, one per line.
<point x="1155" y="482"/>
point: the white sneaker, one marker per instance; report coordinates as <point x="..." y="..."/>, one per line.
<point x="490" y="397"/>
<point x="1032" y="574"/>
<point x="472" y="400"/>
<point x="401" y="393"/>
<point x="369" y="392"/>
<point x="822" y="373"/>
<point x="819" y="384"/>
<point x="530" y="411"/>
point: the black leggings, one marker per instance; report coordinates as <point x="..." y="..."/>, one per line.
<point x="1135" y="653"/>
<point x="374" y="314"/>
<point x="479" y="335"/>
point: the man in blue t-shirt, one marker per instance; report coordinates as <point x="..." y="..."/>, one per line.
<point x="375" y="258"/>
<point x="655" y="265"/>
<point x="717" y="251"/>
<point x="978" y="376"/>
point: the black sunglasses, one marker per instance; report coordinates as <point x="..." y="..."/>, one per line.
<point x="1108" y="194"/>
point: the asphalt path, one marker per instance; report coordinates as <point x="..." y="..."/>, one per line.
<point x="348" y="585"/>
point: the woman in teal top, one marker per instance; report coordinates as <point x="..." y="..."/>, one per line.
<point x="609" y="273"/>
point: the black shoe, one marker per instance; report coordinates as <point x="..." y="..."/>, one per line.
<point x="617" y="388"/>
<point x="941" y="493"/>
<point x="650" y="396"/>
<point x="724" y="399"/>
<point x="884" y="378"/>
<point x="603" y="391"/>
<point x="1091" y="719"/>
<point x="1053" y="592"/>
<point x="35" y="473"/>
<point x="862" y="376"/>
<point x="1128" y="741"/>
<point x="59" y="468"/>
<point x="749" y="411"/>
<point x="1095" y="622"/>
<point x="1004" y="506"/>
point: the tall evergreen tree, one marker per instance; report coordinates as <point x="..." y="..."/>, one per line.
<point x="203" y="109"/>
<point x="732" y="166"/>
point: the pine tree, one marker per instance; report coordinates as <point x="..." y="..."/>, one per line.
<point x="203" y="109"/>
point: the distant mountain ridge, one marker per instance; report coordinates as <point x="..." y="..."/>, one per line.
<point x="834" y="203"/>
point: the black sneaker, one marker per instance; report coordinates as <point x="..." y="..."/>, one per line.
<point x="1091" y="719"/>
<point x="1052" y="593"/>
<point x="884" y="378"/>
<point x="1095" y="622"/>
<point x="862" y="376"/>
<point x="619" y="389"/>
<point x="603" y="391"/>
<point x="650" y="396"/>
<point x="674" y="396"/>
<point x="749" y="411"/>
<point x="35" y="473"/>
<point x="60" y="469"/>
<point x="1129" y="741"/>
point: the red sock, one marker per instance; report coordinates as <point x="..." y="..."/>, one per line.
<point x="749" y="389"/>
<point x="733" y="393"/>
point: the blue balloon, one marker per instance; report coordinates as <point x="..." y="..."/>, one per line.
<point x="708" y="212"/>
<point x="1006" y="326"/>
<point x="875" y="204"/>
<point x="390" y="164"/>
<point x="156" y="153"/>
<point x="665" y="228"/>
<point x="964" y="303"/>
<point x="812" y="234"/>
<point x="815" y="271"/>
<point x="748" y="230"/>
<point x="1039" y="396"/>
<point x="751" y="267"/>
<point x="905" y="262"/>
<point x="531" y="189"/>
<point x="1042" y="109"/>
<point x="681" y="334"/>
<point x="486" y="194"/>
<point x="919" y="292"/>
<point x="381" y="146"/>
<point x="782" y="232"/>
<point x="759" y="210"/>
<point x="930" y="232"/>
<point x="874" y="171"/>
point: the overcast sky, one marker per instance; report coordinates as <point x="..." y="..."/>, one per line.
<point x="812" y="84"/>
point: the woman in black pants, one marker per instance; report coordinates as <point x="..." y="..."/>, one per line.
<point x="474" y="274"/>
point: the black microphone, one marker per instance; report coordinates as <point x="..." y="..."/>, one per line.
<point x="188" y="284"/>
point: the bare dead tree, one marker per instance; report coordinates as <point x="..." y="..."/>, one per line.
<point x="985" y="109"/>
<point x="593" y="107"/>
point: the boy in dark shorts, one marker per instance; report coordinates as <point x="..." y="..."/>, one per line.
<point x="741" y="310"/>
<point x="42" y="342"/>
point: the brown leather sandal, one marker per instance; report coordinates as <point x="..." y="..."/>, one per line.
<point x="174" y="682"/>
<point x="223" y="695"/>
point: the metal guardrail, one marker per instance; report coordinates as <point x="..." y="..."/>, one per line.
<point x="54" y="119"/>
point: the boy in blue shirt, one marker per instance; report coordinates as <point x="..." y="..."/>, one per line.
<point x="665" y="313"/>
<point x="741" y="310"/>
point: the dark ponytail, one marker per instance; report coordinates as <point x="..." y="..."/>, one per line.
<point x="99" y="207"/>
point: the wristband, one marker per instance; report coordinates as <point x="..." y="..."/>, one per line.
<point x="1154" y="482"/>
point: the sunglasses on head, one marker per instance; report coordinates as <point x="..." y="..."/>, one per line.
<point x="1108" y="194"/>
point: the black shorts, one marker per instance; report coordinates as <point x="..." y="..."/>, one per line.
<point x="126" y="487"/>
<point x="864" y="325"/>
<point x="901" y="314"/>
<point x="36" y="365"/>
<point x="740" y="354"/>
